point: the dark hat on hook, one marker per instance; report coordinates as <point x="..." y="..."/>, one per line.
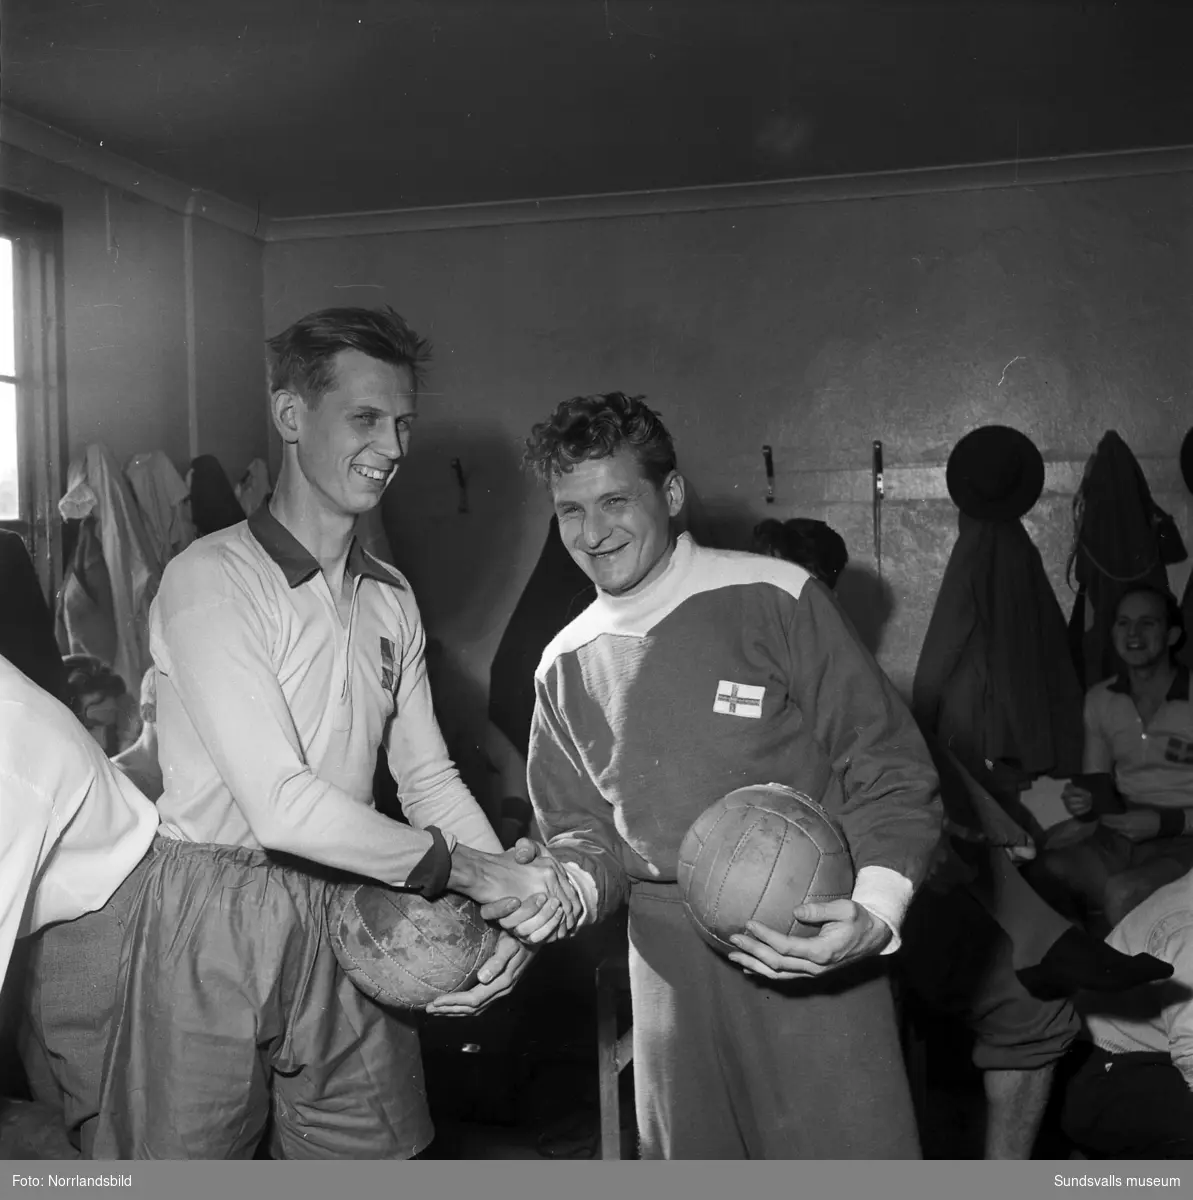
<point x="1187" y="459"/>
<point x="995" y="473"/>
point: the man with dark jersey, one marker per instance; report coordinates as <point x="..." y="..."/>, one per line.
<point x="695" y="672"/>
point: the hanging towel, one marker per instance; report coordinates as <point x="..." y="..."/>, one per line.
<point x="97" y="488"/>
<point x="253" y="487"/>
<point x="162" y="498"/>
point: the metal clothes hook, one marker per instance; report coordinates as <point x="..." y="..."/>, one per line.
<point x="461" y="483"/>
<point x="769" y="460"/>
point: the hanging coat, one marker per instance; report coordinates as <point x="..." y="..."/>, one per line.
<point x="1116" y="544"/>
<point x="97" y="488"/>
<point x="253" y="488"/>
<point x="556" y="592"/>
<point x="995" y="683"/>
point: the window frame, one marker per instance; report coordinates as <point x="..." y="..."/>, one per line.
<point x="35" y="229"/>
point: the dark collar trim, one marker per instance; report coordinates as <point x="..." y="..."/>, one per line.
<point x="299" y="565"/>
<point x="1178" y="691"/>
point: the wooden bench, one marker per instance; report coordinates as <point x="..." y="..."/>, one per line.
<point x="614" y="1051"/>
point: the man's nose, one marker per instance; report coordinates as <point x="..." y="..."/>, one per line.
<point x="596" y="528"/>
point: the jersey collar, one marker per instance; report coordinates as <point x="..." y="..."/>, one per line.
<point x="299" y="565"/>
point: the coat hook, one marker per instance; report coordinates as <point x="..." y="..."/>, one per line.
<point x="879" y="494"/>
<point x="768" y="458"/>
<point x="458" y="468"/>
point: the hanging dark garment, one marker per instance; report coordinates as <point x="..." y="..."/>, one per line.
<point x="556" y="592"/>
<point x="1121" y="538"/>
<point x="214" y="505"/>
<point x="26" y="623"/>
<point x="994" y="683"/>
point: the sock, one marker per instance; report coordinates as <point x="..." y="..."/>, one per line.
<point x="1077" y="961"/>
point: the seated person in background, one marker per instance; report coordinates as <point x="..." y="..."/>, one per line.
<point x="74" y="830"/>
<point x="100" y="700"/>
<point x="814" y="545"/>
<point x="1139" y="729"/>
<point x="139" y="762"/>
<point x="1132" y="1097"/>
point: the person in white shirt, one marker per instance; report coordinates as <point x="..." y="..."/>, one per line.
<point x="73" y="839"/>
<point x="286" y="655"/>
<point x="1133" y="1096"/>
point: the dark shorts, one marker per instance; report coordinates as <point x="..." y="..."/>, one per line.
<point x="234" y="1016"/>
<point x="1129" y="1106"/>
<point x="957" y="959"/>
<point x="1108" y="875"/>
<point x="727" y="1066"/>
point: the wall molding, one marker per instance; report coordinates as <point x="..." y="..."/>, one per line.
<point x="818" y="190"/>
<point x="66" y="150"/>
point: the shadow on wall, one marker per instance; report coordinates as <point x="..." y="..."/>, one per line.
<point x="869" y="603"/>
<point x="868" y="600"/>
<point x="454" y="543"/>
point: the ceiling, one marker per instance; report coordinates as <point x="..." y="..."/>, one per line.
<point x="305" y="107"/>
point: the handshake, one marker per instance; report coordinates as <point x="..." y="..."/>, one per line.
<point x="526" y="890"/>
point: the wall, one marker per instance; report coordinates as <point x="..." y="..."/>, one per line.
<point x="816" y="328"/>
<point x="127" y="379"/>
<point x="230" y="396"/>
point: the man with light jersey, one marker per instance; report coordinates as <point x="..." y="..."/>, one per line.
<point x="1139" y="740"/>
<point x="286" y="655"/>
<point x="73" y="839"/>
<point x="695" y="672"/>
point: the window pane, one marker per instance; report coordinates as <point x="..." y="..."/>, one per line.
<point x="10" y="475"/>
<point x="7" y="327"/>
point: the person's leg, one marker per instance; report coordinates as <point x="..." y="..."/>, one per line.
<point x="1152" y="865"/>
<point x="680" y="1091"/>
<point x="1015" y="1106"/>
<point x="200" y="980"/>
<point x="957" y="957"/>
<point x="348" y="1077"/>
<point x="1128" y="889"/>
<point x="1073" y="880"/>
<point x="820" y="1071"/>
<point x="1129" y="1106"/>
<point x="71" y="999"/>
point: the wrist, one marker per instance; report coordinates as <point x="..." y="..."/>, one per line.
<point x="467" y="872"/>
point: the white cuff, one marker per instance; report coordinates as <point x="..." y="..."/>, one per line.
<point x="884" y="894"/>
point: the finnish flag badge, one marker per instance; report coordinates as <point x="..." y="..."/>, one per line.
<point x="738" y="699"/>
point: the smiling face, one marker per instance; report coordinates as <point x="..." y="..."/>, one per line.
<point x="1141" y="633"/>
<point x="349" y="443"/>
<point x="616" y="523"/>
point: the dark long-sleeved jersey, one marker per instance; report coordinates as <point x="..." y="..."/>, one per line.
<point x="729" y="669"/>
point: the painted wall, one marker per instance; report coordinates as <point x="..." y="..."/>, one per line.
<point x="125" y="321"/>
<point x="230" y="353"/>
<point x="1064" y="310"/>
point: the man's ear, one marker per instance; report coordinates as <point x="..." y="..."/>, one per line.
<point x="286" y="409"/>
<point x="673" y="489"/>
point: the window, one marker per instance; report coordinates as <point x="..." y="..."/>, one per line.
<point x="32" y="367"/>
<point x="10" y="482"/>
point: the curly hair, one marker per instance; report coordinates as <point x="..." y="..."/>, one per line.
<point x="1173" y="613"/>
<point x="813" y="545"/>
<point x="302" y="358"/>
<point x="597" y="426"/>
<point x="86" y="676"/>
